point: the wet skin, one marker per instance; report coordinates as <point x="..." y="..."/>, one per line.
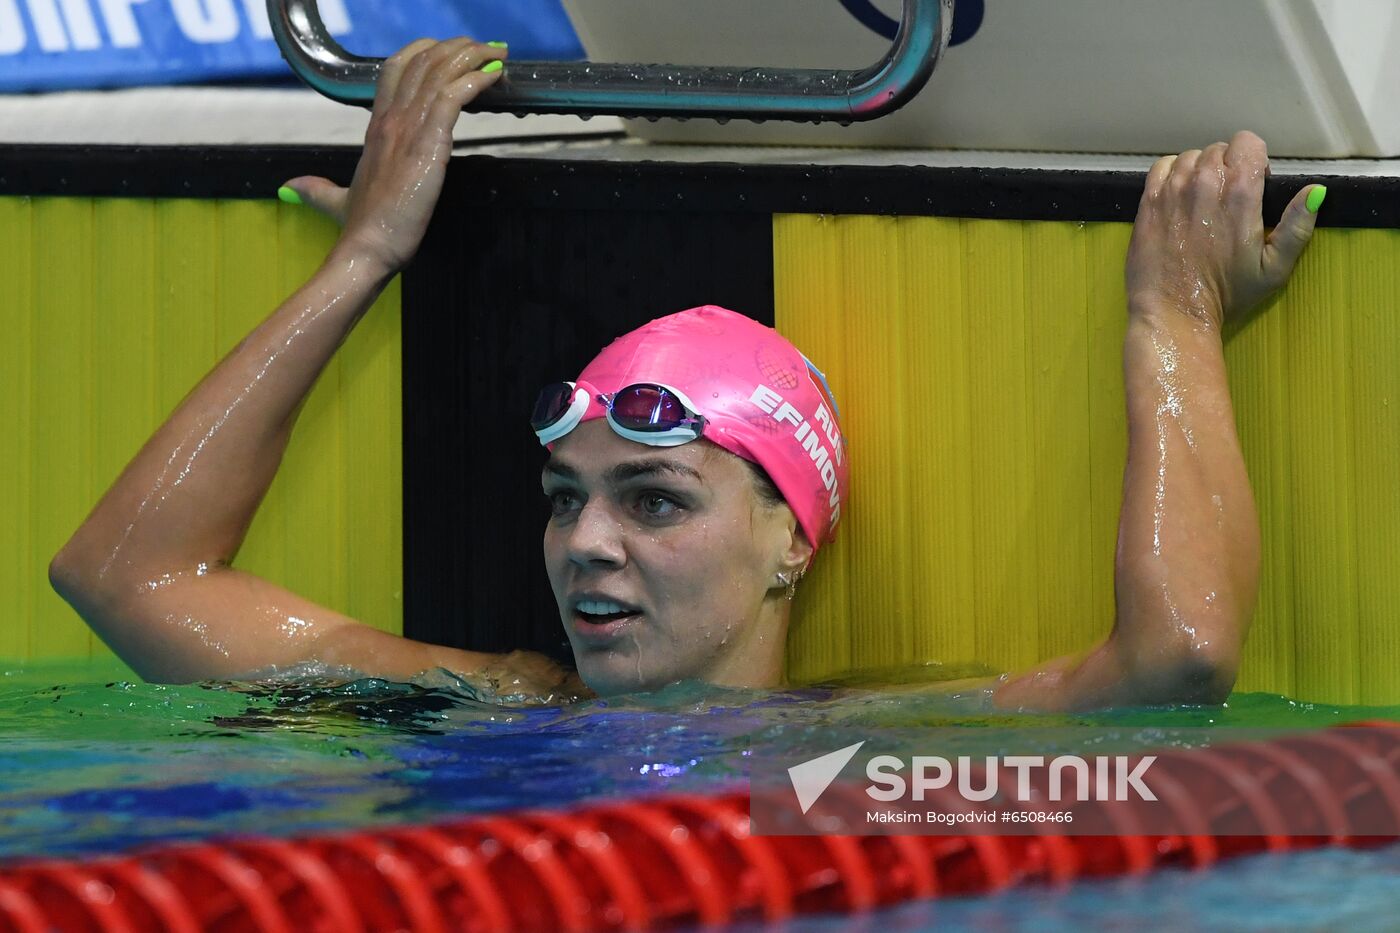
<point x="679" y="535"/>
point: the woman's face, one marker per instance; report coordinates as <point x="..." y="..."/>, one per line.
<point x="661" y="559"/>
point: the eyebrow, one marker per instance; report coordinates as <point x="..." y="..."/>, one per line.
<point x="624" y="472"/>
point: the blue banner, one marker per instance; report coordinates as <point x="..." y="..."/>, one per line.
<point x="65" y="44"/>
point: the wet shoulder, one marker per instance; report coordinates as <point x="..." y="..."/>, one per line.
<point x="531" y="677"/>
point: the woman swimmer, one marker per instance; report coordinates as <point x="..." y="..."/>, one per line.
<point x="685" y="501"/>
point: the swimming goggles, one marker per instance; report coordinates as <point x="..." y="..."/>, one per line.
<point x="646" y="412"/>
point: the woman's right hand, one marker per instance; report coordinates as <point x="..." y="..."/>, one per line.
<point x="422" y="90"/>
<point x="1199" y="245"/>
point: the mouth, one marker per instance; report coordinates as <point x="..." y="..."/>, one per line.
<point x="602" y="619"/>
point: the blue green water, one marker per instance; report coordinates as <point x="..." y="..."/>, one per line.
<point x="95" y="762"/>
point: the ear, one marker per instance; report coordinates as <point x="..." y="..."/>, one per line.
<point x="798" y="554"/>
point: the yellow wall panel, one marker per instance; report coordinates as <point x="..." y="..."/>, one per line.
<point x="244" y="299"/>
<point x="115" y="309"/>
<point x="937" y="352"/>
<point x="818" y="646"/>
<point x="371" y="426"/>
<point x="1259" y="387"/>
<point x="1105" y="424"/>
<point x="1374" y="279"/>
<point x="1057" y="364"/>
<point x="309" y="496"/>
<point x="978" y="364"/>
<point x="1323" y="532"/>
<point x="1003" y="509"/>
<point x="17" y="589"/>
<point x="62" y="404"/>
<point x="125" y="359"/>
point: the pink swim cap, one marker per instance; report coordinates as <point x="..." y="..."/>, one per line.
<point x="762" y="400"/>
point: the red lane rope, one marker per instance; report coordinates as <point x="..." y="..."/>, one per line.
<point x="763" y="879"/>
<point x="473" y="901"/>
<point x="19" y="912"/>
<point x="646" y="864"/>
<point x="304" y="880"/>
<point x="626" y="904"/>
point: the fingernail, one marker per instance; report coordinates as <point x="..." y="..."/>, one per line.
<point x="491" y="67"/>
<point x="499" y="45"/>
<point x="289" y="195"/>
<point x="1319" y="194"/>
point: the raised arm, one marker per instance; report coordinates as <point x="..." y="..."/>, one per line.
<point x="149" y="568"/>
<point x="1187" y="569"/>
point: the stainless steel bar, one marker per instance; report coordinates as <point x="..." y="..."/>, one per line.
<point x="588" y="88"/>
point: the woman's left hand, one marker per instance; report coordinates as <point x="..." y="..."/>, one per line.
<point x="1199" y="245"/>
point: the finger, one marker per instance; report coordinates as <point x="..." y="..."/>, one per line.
<point x="1213" y="156"/>
<point x="1211" y="174"/>
<point x="457" y="80"/>
<point x="441" y="100"/>
<point x="392" y="72"/>
<point x="461" y="92"/>
<point x="1247" y="151"/>
<point x="423" y="65"/>
<point x="1157" y="177"/>
<point x="1294" y="232"/>
<point x="1185" y="166"/>
<point x="1248" y="169"/>
<point x="472" y="56"/>
<point x="322" y="194"/>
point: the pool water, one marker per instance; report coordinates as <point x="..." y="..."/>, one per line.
<point x="97" y="762"/>
<point x="1324" y="890"/>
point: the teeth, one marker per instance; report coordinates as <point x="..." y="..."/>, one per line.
<point x="589" y="607"/>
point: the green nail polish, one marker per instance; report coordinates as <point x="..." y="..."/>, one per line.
<point x="492" y="67"/>
<point x="1319" y="194"/>
<point x="289" y="195"/>
<point x="499" y="45"/>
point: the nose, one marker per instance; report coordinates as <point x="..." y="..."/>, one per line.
<point x="596" y="538"/>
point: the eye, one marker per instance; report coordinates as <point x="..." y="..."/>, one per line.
<point x="656" y="505"/>
<point x="562" y="502"/>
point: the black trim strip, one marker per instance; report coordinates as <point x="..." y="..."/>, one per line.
<point x="1007" y="194"/>
<point x="1001" y="194"/>
<point x="167" y="171"/>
